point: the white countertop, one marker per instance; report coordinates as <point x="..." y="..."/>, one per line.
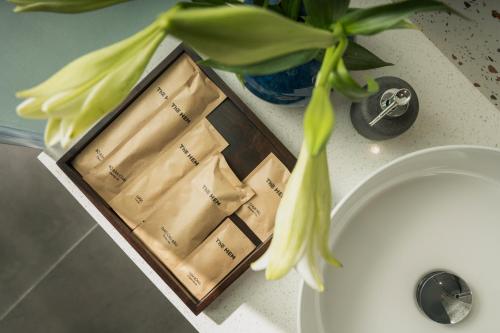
<point x="451" y="112"/>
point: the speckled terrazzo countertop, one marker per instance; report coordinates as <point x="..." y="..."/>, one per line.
<point x="452" y="111"/>
<point x="474" y="47"/>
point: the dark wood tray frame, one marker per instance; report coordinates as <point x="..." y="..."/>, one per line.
<point x="250" y="141"/>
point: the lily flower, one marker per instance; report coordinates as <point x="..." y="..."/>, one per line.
<point x="61" y="6"/>
<point x="303" y="218"/>
<point x="89" y="87"/>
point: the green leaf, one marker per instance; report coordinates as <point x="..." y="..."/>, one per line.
<point x="62" y="6"/>
<point x="341" y="80"/>
<point x="404" y="24"/>
<point x="356" y="58"/>
<point x="322" y="13"/>
<point x="217" y="2"/>
<point x="291" y="8"/>
<point x="340" y="7"/>
<point x="318" y="120"/>
<point x="243" y="35"/>
<point x="270" y="66"/>
<point x="373" y="20"/>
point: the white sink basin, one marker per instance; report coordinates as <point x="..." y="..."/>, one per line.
<point x="437" y="209"/>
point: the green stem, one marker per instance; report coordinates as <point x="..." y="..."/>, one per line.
<point x="332" y="56"/>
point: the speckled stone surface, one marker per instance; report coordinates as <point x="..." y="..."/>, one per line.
<point x="451" y="112"/>
<point x="473" y="46"/>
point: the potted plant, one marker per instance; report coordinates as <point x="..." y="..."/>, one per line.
<point x="264" y="38"/>
<point x="293" y="86"/>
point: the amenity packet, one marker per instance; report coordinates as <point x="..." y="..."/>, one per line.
<point x="138" y="198"/>
<point x="214" y="259"/>
<point x="188" y="106"/>
<point x="186" y="214"/>
<point x="139" y="112"/>
<point x="268" y="180"/>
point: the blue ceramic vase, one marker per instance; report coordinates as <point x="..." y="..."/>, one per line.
<point x="291" y="87"/>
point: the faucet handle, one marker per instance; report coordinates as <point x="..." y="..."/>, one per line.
<point x="393" y="106"/>
<point x="388" y="113"/>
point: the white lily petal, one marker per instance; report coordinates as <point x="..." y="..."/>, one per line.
<point x="52" y="134"/>
<point x="90" y="66"/>
<point x="308" y="267"/>
<point x="323" y="210"/>
<point x="57" y="99"/>
<point x="295" y="211"/>
<point x="309" y="273"/>
<point x="64" y="131"/>
<point x="69" y="109"/>
<point x="31" y="109"/>
<point x="113" y="88"/>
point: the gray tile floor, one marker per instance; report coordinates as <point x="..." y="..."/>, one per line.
<point x="59" y="271"/>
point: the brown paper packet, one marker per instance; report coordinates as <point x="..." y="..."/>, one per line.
<point x="139" y="112"/>
<point x="214" y="259"/>
<point x="186" y="214"/>
<point x="268" y="180"/>
<point x="138" y="198"/>
<point x="188" y="106"/>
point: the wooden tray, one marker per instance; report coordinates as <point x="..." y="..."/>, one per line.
<point x="250" y="141"/>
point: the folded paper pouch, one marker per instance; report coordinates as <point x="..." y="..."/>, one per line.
<point x="139" y="197"/>
<point x="268" y="180"/>
<point x="137" y="114"/>
<point x="213" y="259"/>
<point x="188" y="106"/>
<point x="187" y="213"/>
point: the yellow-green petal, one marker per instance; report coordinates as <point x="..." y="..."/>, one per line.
<point x="52" y="134"/>
<point x="89" y="67"/>
<point x="62" y="6"/>
<point x="112" y="89"/>
<point x="318" y="120"/>
<point x="323" y="210"/>
<point x="69" y="109"/>
<point x="293" y="218"/>
<point x="308" y="267"/>
<point x="31" y="109"/>
<point x="64" y="132"/>
<point x="62" y="99"/>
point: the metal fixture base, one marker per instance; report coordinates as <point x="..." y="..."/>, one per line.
<point x="397" y="122"/>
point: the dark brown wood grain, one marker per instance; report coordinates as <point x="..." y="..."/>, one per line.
<point x="250" y="141"/>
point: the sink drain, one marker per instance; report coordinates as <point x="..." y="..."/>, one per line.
<point x="444" y="297"/>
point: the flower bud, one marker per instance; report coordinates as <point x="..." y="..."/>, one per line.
<point x="61" y="6"/>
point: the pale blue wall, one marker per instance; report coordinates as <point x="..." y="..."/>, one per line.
<point x="34" y="45"/>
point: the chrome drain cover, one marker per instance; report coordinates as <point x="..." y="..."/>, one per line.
<point x="444" y="297"/>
